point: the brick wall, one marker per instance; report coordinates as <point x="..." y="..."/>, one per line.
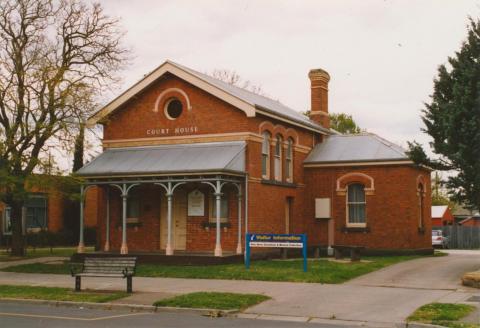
<point x="392" y="210"/>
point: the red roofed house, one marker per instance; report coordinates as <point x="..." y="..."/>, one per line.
<point x="441" y="216"/>
<point x="191" y="163"/>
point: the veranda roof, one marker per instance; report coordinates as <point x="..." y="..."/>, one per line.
<point x="219" y="157"/>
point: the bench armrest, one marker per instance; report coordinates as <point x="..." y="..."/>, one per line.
<point x="128" y="272"/>
<point x="74" y="269"/>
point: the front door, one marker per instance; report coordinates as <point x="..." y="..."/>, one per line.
<point x="179" y="221"/>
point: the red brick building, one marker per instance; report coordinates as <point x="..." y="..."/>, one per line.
<point x="44" y="210"/>
<point x="442" y="216"/>
<point x="192" y="163"/>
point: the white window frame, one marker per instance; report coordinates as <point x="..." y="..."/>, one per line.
<point x="45" y="199"/>
<point x="356" y="224"/>
<point x="212" y="217"/>
<point x="289" y="161"/>
<point x="266" y="155"/>
<point x="278" y="158"/>
<point x="134" y="196"/>
<point x="421" y="204"/>
<point x="8" y="210"/>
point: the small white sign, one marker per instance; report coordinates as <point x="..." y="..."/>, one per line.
<point x="196" y="203"/>
<point x="275" y="244"/>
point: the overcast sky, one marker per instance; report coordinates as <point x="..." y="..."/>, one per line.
<point x="382" y="55"/>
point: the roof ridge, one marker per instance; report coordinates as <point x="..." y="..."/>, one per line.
<point x="228" y="84"/>
<point x="390" y="144"/>
<point x="205" y="76"/>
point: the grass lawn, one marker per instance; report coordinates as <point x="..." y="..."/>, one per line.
<point x="319" y="270"/>
<point x="218" y="301"/>
<point x="57" y="294"/>
<point x="444" y="314"/>
<point x="42" y="252"/>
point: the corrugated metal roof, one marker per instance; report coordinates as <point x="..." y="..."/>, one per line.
<point x="256" y="100"/>
<point x="438" y="211"/>
<point x="366" y="147"/>
<point x="183" y="158"/>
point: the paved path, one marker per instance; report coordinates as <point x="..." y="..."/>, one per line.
<point x="443" y="272"/>
<point x="7" y="264"/>
<point x="374" y="298"/>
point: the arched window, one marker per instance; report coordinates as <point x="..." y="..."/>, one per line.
<point x="289" y="161"/>
<point x="421" y="203"/>
<point x="266" y="155"/>
<point x="356" y="204"/>
<point x="278" y="158"/>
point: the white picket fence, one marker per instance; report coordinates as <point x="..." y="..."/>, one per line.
<point x="461" y="237"/>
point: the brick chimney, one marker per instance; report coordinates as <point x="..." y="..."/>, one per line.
<point x="319" y="95"/>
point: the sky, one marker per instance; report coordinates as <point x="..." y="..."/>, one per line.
<point x="382" y="55"/>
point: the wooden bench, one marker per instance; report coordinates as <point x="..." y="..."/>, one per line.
<point x="353" y="251"/>
<point x="108" y="267"/>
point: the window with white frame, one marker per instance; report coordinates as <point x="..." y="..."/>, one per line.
<point x="224" y="210"/>
<point x="356" y="204"/>
<point x="278" y="158"/>
<point x="36" y="205"/>
<point x="133" y="206"/>
<point x="266" y="155"/>
<point x="7" y="221"/>
<point x="421" y="202"/>
<point x="289" y="161"/>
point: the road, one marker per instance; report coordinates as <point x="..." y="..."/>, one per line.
<point x="28" y="315"/>
<point x="384" y="297"/>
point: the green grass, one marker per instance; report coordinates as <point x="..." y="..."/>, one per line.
<point x="57" y="294"/>
<point x="41" y="252"/>
<point x="444" y="314"/>
<point x="319" y="271"/>
<point x="211" y="300"/>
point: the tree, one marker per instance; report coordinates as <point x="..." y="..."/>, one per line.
<point x="232" y="78"/>
<point x="79" y="148"/>
<point x="439" y="197"/>
<point x="344" y="123"/>
<point x="56" y="57"/>
<point x="452" y="119"/>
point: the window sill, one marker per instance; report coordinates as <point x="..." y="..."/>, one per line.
<point x="207" y="225"/>
<point x="279" y="183"/>
<point x="131" y="225"/>
<point x="346" y="229"/>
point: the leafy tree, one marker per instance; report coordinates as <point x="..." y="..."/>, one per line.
<point x="344" y="123"/>
<point x="55" y="59"/>
<point x="452" y="119"/>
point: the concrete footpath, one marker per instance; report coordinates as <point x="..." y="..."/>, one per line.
<point x="364" y="300"/>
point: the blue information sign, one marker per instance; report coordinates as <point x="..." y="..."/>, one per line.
<point x="276" y="241"/>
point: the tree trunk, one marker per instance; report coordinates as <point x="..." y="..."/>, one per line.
<point x="79" y="148"/>
<point x="18" y="243"/>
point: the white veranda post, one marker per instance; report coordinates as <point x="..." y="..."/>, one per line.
<point x="81" y="243"/>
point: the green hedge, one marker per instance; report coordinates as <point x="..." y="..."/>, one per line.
<point x="45" y="238"/>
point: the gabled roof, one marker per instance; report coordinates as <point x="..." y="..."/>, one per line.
<point x="438" y="211"/>
<point x="365" y="147"/>
<point x="245" y="100"/>
<point x="168" y="159"/>
<point x="475" y="218"/>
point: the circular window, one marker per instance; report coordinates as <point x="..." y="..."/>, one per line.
<point x="173" y="108"/>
